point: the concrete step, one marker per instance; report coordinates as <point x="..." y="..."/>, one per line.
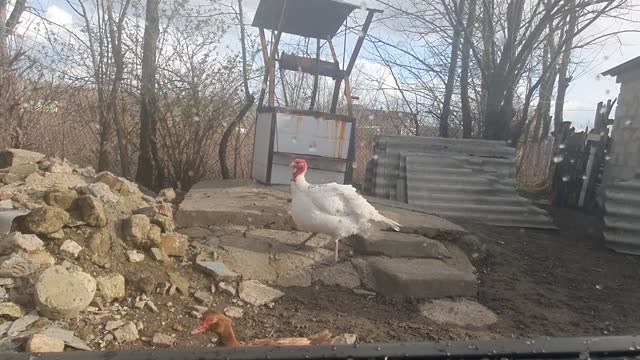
<point x="420" y="278"/>
<point x="396" y="244"/>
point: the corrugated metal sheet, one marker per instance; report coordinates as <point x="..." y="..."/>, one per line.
<point x="622" y="218"/>
<point x="466" y="179"/>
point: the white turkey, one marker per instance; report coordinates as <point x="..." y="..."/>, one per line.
<point x="333" y="209"/>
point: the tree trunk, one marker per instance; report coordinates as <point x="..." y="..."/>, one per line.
<point x="149" y="172"/>
<point x="467" y="124"/>
<point x="563" y="78"/>
<point x="453" y="64"/>
<point x="115" y="34"/>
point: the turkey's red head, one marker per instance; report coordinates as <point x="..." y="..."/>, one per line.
<point x="299" y="167"/>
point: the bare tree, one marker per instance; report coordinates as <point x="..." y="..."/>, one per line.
<point x="149" y="173"/>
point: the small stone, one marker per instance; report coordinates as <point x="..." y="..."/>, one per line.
<point x="108" y="338"/>
<point x="152" y="306"/>
<point x="39" y="343"/>
<point x="23" y="323"/>
<point x="92" y="210"/>
<point x="118" y="184"/>
<point x="135" y="256"/>
<point x="196" y="314"/>
<point x="258" y="294"/>
<point x="18" y="265"/>
<point x="198" y="308"/>
<point x="3" y="293"/>
<point x="54" y="287"/>
<point x="70" y="266"/>
<point x="172" y="290"/>
<point x="163" y="340"/>
<point x="229" y="288"/>
<point x="103" y="192"/>
<point x="181" y="282"/>
<point x="271" y="305"/>
<point x="213" y="289"/>
<point x="126" y="333"/>
<point x="140" y="304"/>
<point x="11" y="310"/>
<point x="112" y="325"/>
<point x="164" y="222"/>
<point x="159" y="255"/>
<point x="56" y="235"/>
<point x="60" y="197"/>
<point x="344" y="339"/>
<point x="217" y="270"/>
<point x="99" y="246"/>
<point x="177" y="328"/>
<point x="26" y="242"/>
<point x="174" y="244"/>
<point x="155" y="234"/>
<point x="7" y="282"/>
<point x="364" y="292"/>
<point x="234" y="312"/>
<point x="71" y="247"/>
<point x="136" y="230"/>
<point x="45" y="220"/>
<point x="203" y="297"/>
<point x="111" y="287"/>
<point x="168" y="194"/>
<point x="139" y="326"/>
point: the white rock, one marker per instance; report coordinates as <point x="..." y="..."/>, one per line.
<point x="234" y="312"/>
<point x="39" y="343"/>
<point x="71" y="247"/>
<point x="344" y="339"/>
<point x="258" y="294"/>
<point x="163" y="340"/>
<point x="229" y="288"/>
<point x="111" y="287"/>
<point x="114" y="324"/>
<point x="135" y="256"/>
<point x="126" y="333"/>
<point x="60" y="293"/>
<point x="26" y="242"/>
<point x="103" y="192"/>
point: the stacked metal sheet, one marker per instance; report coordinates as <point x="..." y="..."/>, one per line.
<point x="622" y="218"/>
<point x="455" y="178"/>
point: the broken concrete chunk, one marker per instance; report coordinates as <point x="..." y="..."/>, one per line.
<point x="92" y="210"/>
<point x="71" y="247"/>
<point x="103" y="192"/>
<point x="45" y="220"/>
<point x="114" y="324"/>
<point x="168" y="194"/>
<point x="163" y="340"/>
<point x="155" y="234"/>
<point x="61" y="197"/>
<point x="136" y="230"/>
<point x="258" y="294"/>
<point x="229" y="288"/>
<point x="54" y="287"/>
<point x="135" y="256"/>
<point x="67" y="336"/>
<point x="203" y="297"/>
<point x="11" y="310"/>
<point x="174" y="244"/>
<point x="342" y="274"/>
<point x="11" y="157"/>
<point x="234" y="312"/>
<point x="99" y="246"/>
<point x="460" y="312"/>
<point x="25" y="242"/>
<point x="344" y="339"/>
<point x="152" y="306"/>
<point x="18" y="265"/>
<point x="181" y="282"/>
<point x="118" y="184"/>
<point x="217" y="270"/>
<point x="111" y="287"/>
<point x="23" y="323"/>
<point x="159" y="255"/>
<point x="56" y="235"/>
<point x="127" y="333"/>
<point x="39" y="343"/>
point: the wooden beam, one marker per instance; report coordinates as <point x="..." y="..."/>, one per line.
<point x="316" y="77"/>
<point x="265" y="57"/>
<point x="356" y="50"/>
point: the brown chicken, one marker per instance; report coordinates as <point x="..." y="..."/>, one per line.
<point x="221" y="325"/>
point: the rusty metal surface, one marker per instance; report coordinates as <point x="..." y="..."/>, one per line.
<point x="315" y="19"/>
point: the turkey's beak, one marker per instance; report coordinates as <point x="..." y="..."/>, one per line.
<point x="293" y="164"/>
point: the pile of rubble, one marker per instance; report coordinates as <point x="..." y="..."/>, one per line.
<point x="89" y="260"/>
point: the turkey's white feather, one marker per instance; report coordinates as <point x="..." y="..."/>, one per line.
<point x="333" y="209"/>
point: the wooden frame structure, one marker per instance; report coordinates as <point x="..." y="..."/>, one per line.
<point x="275" y="142"/>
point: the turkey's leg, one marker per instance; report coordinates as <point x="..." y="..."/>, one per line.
<point x="304" y="243"/>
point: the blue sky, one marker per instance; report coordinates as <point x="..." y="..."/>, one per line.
<point x="587" y="87"/>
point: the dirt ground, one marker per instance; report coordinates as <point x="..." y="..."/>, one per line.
<point x="540" y="283"/>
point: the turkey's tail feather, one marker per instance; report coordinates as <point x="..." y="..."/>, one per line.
<point x="384" y="220"/>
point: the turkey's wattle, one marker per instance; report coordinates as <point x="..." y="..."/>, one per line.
<point x="333" y="209"/>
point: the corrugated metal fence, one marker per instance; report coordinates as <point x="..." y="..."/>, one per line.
<point x="456" y="178"/>
<point x="622" y="219"/>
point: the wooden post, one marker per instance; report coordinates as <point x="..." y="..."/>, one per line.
<point x="272" y="57"/>
<point x="316" y="77"/>
<point x="265" y="57"/>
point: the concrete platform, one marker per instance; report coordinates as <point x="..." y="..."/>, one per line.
<point x="396" y="244"/>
